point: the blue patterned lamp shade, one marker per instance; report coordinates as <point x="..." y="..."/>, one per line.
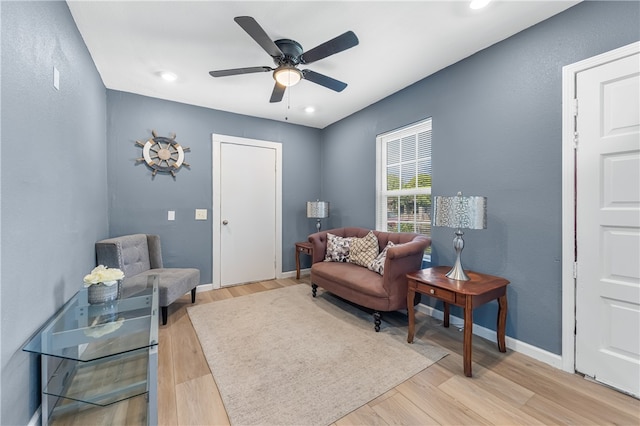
<point x="460" y="212"/>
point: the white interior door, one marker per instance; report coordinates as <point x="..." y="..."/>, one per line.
<point x="608" y="224"/>
<point x="246" y="211"/>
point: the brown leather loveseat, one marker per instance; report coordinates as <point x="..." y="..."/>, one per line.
<point x="360" y="283"/>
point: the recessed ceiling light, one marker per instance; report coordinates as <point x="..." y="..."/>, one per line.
<point x="309" y="109"/>
<point x="478" y="4"/>
<point x="168" y="76"/>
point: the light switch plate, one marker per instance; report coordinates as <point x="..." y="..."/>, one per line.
<point x="171" y="215"/>
<point x="201" y="214"/>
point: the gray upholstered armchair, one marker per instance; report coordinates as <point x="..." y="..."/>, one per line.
<point x="139" y="256"/>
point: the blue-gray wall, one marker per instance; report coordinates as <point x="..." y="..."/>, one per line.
<point x="138" y="203"/>
<point x="68" y="175"/>
<point x="496" y="132"/>
<point x="54" y="183"/>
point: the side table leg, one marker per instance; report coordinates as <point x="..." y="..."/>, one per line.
<point x="446" y="315"/>
<point x="502" y="322"/>
<point x="468" y="332"/>
<point x="297" y="264"/>
<point x="44" y="403"/>
<point x="152" y="383"/>
<point x="411" y="294"/>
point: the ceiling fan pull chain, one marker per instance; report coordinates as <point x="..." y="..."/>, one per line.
<point x="288" y="104"/>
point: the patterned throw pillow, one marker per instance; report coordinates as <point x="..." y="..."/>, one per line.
<point x="337" y="248"/>
<point x="364" y="250"/>
<point x="378" y="263"/>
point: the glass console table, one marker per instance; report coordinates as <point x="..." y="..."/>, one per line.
<point x="99" y="355"/>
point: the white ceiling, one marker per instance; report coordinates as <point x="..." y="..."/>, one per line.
<point x="400" y="43"/>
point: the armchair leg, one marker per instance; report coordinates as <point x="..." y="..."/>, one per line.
<point x="193" y="295"/>
<point x="377" y="320"/>
<point x="314" y="289"/>
<point x="165" y="311"/>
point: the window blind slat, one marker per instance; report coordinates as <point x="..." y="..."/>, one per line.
<point x="404" y="191"/>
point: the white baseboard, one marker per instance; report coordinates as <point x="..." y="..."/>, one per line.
<point x="292" y="274"/>
<point x="204" y="287"/>
<point x="289" y="274"/>
<point x="534" y="352"/>
<point x="35" y="420"/>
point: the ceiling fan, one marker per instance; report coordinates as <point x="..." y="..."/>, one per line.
<point x="287" y="55"/>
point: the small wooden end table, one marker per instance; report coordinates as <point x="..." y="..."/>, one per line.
<point x="305" y="248"/>
<point x="480" y="289"/>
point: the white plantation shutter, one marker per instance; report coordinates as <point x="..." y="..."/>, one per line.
<point x="403" y="179"/>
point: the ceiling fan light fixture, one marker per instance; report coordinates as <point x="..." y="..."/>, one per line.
<point x="287" y="75"/>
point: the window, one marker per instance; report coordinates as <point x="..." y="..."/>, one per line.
<point x="403" y="180"/>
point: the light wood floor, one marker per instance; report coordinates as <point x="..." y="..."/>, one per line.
<point x="506" y="388"/>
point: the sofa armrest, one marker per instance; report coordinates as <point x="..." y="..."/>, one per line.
<point x="401" y="260"/>
<point x="412" y="248"/>
<point x="109" y="254"/>
<point x="155" y="251"/>
<point x="319" y="243"/>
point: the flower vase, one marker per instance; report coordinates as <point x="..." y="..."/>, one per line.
<point x="102" y="292"/>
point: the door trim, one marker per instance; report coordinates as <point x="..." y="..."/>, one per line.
<point x="217" y="140"/>
<point x="569" y="74"/>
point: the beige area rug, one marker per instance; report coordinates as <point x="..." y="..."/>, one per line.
<point x="281" y="357"/>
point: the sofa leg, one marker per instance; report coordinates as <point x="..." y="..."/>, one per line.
<point x="165" y="311"/>
<point x="377" y="320"/>
<point x="193" y="295"/>
<point x="314" y="289"/>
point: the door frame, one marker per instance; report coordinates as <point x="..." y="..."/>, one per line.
<point x="569" y="75"/>
<point x="216" y="179"/>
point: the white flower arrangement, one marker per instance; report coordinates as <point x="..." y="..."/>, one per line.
<point x="104" y="275"/>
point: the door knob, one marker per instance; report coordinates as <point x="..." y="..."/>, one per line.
<point x="224" y="222"/>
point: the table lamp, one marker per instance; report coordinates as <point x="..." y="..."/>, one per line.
<point x="317" y="210"/>
<point x="460" y="212"/>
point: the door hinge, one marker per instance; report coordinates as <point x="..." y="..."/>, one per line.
<point x="575" y="107"/>
<point x="576" y="138"/>
<point x="575" y="270"/>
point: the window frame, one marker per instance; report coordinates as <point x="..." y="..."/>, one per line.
<point x="382" y="193"/>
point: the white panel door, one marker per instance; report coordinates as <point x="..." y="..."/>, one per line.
<point x="247" y="213"/>
<point x="608" y="224"/>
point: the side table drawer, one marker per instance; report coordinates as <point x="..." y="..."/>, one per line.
<point x="445" y="295"/>
<point x="304" y="250"/>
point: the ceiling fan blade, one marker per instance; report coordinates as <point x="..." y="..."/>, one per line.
<point x="323" y="80"/>
<point x="338" y="44"/>
<point x="259" y="35"/>
<point x="278" y="93"/>
<point x="236" y="71"/>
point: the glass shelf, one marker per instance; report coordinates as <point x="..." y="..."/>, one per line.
<point x="101" y="382"/>
<point x="97" y="355"/>
<point x="130" y="412"/>
<point x="84" y="332"/>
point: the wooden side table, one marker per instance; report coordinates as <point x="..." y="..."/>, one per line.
<point x="480" y="289"/>
<point x="305" y="248"/>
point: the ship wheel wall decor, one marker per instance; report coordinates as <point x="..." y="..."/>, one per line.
<point x="163" y="154"/>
